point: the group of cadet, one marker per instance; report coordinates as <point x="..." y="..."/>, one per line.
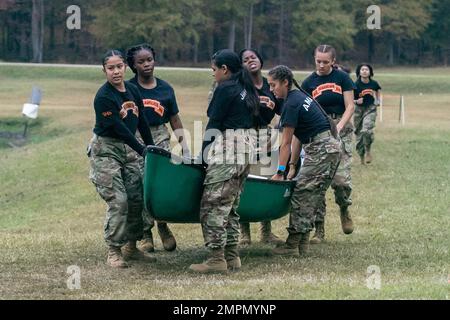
<point x="314" y="117"/>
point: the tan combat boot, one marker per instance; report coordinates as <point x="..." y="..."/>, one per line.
<point x="290" y="247"/>
<point x="245" y="239"/>
<point x="319" y="234"/>
<point x="215" y="263"/>
<point x="303" y="245"/>
<point x="131" y="252"/>
<point x="267" y="236"/>
<point x="146" y="244"/>
<point x="232" y="258"/>
<point x="368" y="156"/>
<point x="346" y="220"/>
<point x="115" y="258"/>
<point x="167" y="238"/>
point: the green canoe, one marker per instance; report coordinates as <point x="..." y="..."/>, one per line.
<point x="172" y="192"/>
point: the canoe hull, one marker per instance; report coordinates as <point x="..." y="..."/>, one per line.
<point x="172" y="192"/>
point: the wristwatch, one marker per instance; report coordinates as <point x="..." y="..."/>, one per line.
<point x="280" y="172"/>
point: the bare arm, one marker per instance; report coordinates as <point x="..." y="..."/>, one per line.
<point x="378" y="97"/>
<point x="177" y="127"/>
<point x="349" y="109"/>
<point x="296" y="147"/>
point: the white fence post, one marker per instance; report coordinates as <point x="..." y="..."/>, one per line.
<point x="401" y="111"/>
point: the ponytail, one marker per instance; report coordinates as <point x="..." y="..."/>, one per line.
<point x="252" y="100"/>
<point x="297" y="85"/>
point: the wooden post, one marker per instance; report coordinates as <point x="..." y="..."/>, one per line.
<point x="25" y="129"/>
<point x="403" y="111"/>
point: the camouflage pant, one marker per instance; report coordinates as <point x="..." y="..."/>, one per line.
<point x="115" y="172"/>
<point x="161" y="138"/>
<point x="267" y="162"/>
<point x="267" y="159"/>
<point x="218" y="215"/>
<point x="342" y="181"/>
<point x="320" y="164"/>
<point x="365" y="119"/>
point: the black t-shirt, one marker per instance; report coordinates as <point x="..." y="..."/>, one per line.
<point x="117" y="115"/>
<point x="269" y="106"/>
<point x="160" y="103"/>
<point x="302" y="113"/>
<point x="228" y="108"/>
<point x="367" y="91"/>
<point x="329" y="90"/>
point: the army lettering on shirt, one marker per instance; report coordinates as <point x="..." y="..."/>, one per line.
<point x="269" y="104"/>
<point x="367" y="91"/>
<point x="329" y="90"/>
<point x="117" y="115"/>
<point x="302" y="113"/>
<point x="160" y="103"/>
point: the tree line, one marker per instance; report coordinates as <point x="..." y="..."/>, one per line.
<point x="187" y="32"/>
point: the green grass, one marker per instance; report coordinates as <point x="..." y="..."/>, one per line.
<point x="405" y="81"/>
<point x="52" y="218"/>
<point x="180" y="78"/>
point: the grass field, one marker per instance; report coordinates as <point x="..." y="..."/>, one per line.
<point x="52" y="218"/>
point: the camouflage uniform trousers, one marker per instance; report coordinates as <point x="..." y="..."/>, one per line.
<point x="321" y="161"/>
<point x="223" y="186"/>
<point x="115" y="172"/>
<point x="364" y="119"/>
<point x="342" y="181"/>
<point x="161" y="138"/>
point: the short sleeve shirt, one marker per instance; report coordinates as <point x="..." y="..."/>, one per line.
<point x="366" y="91"/>
<point x="302" y="113"/>
<point x="329" y="90"/>
<point x="160" y="103"/>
